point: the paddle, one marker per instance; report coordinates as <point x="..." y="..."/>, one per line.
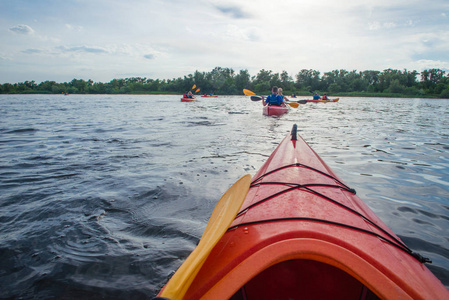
<point x="222" y="216"/>
<point x="293" y="104"/>
<point x="258" y="98"/>
<point x="194" y="86"/>
<point x="249" y="93"/>
<point x="301" y="101"/>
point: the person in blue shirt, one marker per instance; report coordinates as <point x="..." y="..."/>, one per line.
<point x="316" y="96"/>
<point x="274" y="98"/>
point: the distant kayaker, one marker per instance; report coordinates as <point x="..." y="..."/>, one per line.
<point x="316" y="96"/>
<point x="274" y="98"/>
<point x="325" y="97"/>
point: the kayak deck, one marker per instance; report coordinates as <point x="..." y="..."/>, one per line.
<point x="301" y="233"/>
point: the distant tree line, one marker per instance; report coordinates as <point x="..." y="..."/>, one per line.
<point x="225" y="81"/>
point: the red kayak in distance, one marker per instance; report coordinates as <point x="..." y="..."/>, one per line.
<point x="321" y="100"/>
<point x="210" y="96"/>
<point x="301" y="233"/>
<point x="274" y="110"/>
<point x="187" y="99"/>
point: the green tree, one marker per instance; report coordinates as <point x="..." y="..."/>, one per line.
<point x="242" y="81"/>
<point x="308" y="80"/>
<point x="430" y="79"/>
<point x="219" y="76"/>
<point x="287" y="81"/>
<point x="262" y="82"/>
<point x="371" y="77"/>
<point x="334" y="88"/>
<point x="396" y="86"/>
<point x="78" y="86"/>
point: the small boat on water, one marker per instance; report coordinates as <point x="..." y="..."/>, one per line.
<point x="187" y="99"/>
<point x="275" y="110"/>
<point x="321" y="100"/>
<point x="296" y="231"/>
<point x="330" y="100"/>
<point x="210" y="96"/>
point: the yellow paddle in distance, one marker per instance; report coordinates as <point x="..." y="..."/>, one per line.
<point x="222" y="216"/>
<point x="293" y="104"/>
<point x="248" y="92"/>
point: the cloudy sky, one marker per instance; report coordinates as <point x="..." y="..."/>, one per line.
<point x="105" y="39"/>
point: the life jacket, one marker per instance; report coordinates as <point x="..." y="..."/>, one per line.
<point x="274" y="99"/>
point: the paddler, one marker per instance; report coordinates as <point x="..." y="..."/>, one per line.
<point x="274" y="98"/>
<point x="280" y="90"/>
<point x="316" y="96"/>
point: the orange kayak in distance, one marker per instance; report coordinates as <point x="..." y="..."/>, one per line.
<point x="302" y="233"/>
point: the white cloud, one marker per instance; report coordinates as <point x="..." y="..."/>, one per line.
<point x="22" y="29"/>
<point x="236" y="33"/>
<point x="425" y="64"/>
<point x="234" y="12"/>
<point x="32" y="51"/>
<point x="389" y="25"/>
<point x="100" y="39"/>
<point x="71" y="27"/>
<point x="86" y="49"/>
<point x="374" y="26"/>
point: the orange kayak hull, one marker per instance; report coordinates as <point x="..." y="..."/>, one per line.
<point x="301" y="233"/>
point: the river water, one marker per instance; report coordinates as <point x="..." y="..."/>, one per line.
<point x="104" y="196"/>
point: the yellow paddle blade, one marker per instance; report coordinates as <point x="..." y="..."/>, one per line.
<point x="293" y="104"/>
<point x="197" y="90"/>
<point x="222" y="216"/>
<point x="336" y="99"/>
<point x="194" y="86"/>
<point x="248" y="92"/>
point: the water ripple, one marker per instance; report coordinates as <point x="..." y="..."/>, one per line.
<point x="105" y="196"/>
